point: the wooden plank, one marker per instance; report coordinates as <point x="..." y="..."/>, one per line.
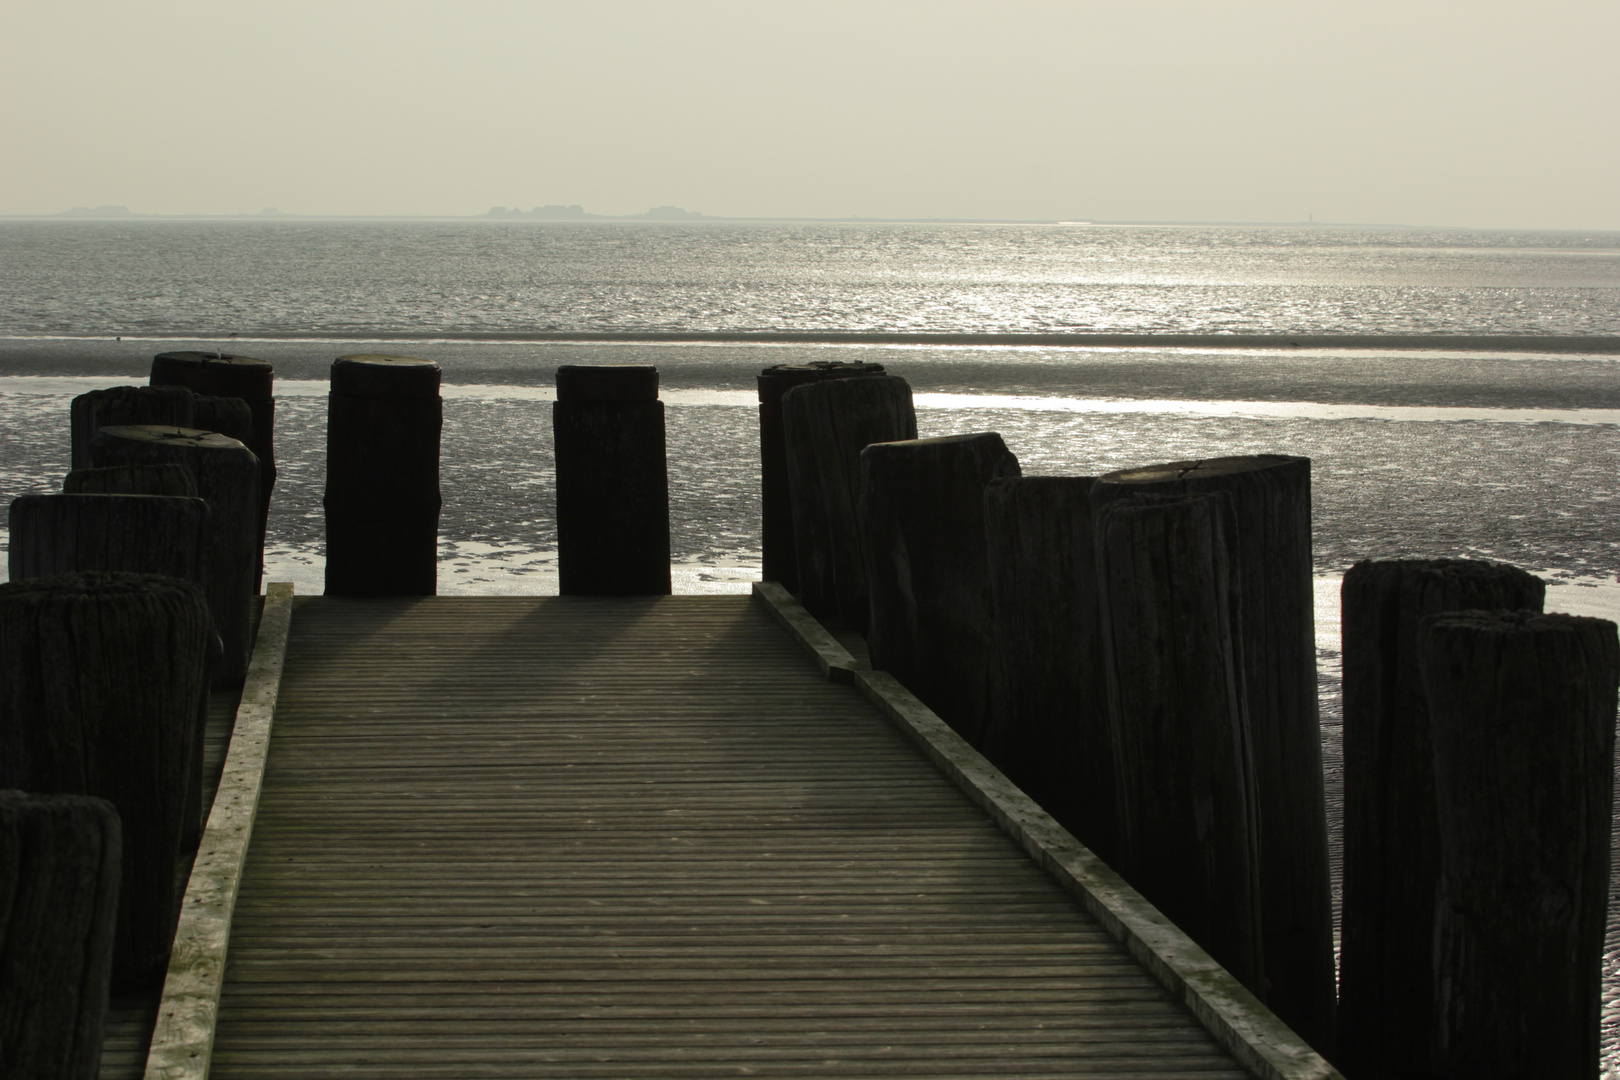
<point x="1243" y="1025"/>
<point x="183" y="1037"/>
<point x="554" y="837"/>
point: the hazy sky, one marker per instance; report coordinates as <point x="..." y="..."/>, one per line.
<point x="1487" y="113"/>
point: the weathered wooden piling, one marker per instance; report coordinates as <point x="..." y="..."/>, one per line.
<point x="252" y="381"/>
<point x="922" y="538"/>
<point x="1522" y="714"/>
<point x="825" y="426"/>
<point x="1171" y="625"/>
<point x="119" y="406"/>
<point x="99" y="679"/>
<point x="780" y="561"/>
<point x="612" y="482"/>
<point x="59" y="866"/>
<point x="1387" y="977"/>
<point x="382" y="477"/>
<point x="227" y="476"/>
<point x="1049" y="728"/>
<point x="228" y="416"/>
<point x="1271" y="506"/>
<point x="167" y="479"/>
<point x="142" y="534"/>
<point x="147" y="534"/>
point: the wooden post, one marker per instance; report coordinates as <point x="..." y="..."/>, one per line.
<point x="780" y="561"/>
<point x="99" y="679"/>
<point x="143" y="534"/>
<point x="382" y="477"/>
<point x="825" y="426"/>
<point x="922" y="538"/>
<point x="1171" y="626"/>
<point x="1049" y="728"/>
<point x="1391" y="850"/>
<point x="120" y="406"/>
<point x="227" y="476"/>
<point x="254" y="382"/>
<point x="131" y="480"/>
<point x="612" y="482"/>
<point x="226" y="415"/>
<point x="1522" y="712"/>
<point x="1271" y="507"/>
<point x="59" y="859"/>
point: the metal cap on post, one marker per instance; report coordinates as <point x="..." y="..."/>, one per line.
<point x="612" y="482"/>
<point x="382" y="476"/>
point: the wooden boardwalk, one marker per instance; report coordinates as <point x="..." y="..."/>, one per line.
<point x="546" y="837"/>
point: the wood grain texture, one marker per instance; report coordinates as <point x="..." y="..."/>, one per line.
<point x="120" y="405"/>
<point x="1391" y="848"/>
<point x="59" y="859"/>
<point x="131" y="480"/>
<point x="535" y="837"/>
<point x="382" y="500"/>
<point x="928" y="575"/>
<point x="183" y="1037"/>
<point x="1522" y="719"/>
<point x="227" y="476"/>
<point x="612" y="496"/>
<point x="132" y="1017"/>
<point x="1188" y="823"/>
<point x="1049" y="729"/>
<point x="222" y="376"/>
<point x="100" y="675"/>
<point x="825" y="426"/>
<point x="777" y="552"/>
<point x="1271" y="509"/>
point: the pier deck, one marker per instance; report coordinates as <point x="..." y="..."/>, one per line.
<point x="532" y="837"/>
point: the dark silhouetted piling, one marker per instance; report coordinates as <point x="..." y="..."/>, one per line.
<point x="1391" y="850"/>
<point x="59" y="865"/>
<point x="825" y="426"/>
<point x="382" y="477"/>
<point x="1171" y="615"/>
<point x="1271" y="514"/>
<point x="227" y="477"/>
<point x="99" y="680"/>
<point x="142" y="534"/>
<point x="120" y="406"/>
<point x="1049" y="728"/>
<point x="1522" y="715"/>
<point x="922" y="537"/>
<point x="612" y="482"/>
<point x="252" y="381"/>
<point x="780" y="561"/>
<point x="131" y="480"/>
<point x="146" y="534"/>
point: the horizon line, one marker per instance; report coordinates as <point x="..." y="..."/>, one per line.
<point x="693" y="217"/>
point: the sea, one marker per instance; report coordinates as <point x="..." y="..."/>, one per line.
<point x="1457" y="391"/>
